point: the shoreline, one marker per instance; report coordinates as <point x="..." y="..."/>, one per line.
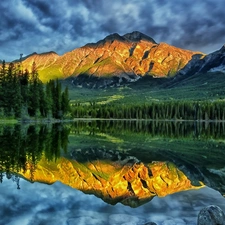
<point x="44" y="120"/>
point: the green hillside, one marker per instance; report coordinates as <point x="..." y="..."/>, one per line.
<point x="208" y="86"/>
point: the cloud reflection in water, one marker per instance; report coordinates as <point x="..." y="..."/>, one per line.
<point x="36" y="204"/>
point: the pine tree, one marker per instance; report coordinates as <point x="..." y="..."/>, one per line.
<point x="24" y="87"/>
<point x="17" y="97"/>
<point x="58" y="100"/>
<point x="49" y="98"/>
<point x="12" y="95"/>
<point x="65" y="101"/>
<point x="34" y="92"/>
<point x="2" y="84"/>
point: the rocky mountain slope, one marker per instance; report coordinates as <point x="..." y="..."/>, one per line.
<point x="201" y="71"/>
<point x="116" y="60"/>
<point x="126" y="58"/>
<point x="214" y="62"/>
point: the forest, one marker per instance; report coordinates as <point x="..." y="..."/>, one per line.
<point x="154" y="110"/>
<point x="24" y="96"/>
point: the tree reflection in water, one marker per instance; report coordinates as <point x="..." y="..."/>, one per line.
<point x="118" y="161"/>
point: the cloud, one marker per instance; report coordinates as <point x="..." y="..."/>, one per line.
<point x="61" y="26"/>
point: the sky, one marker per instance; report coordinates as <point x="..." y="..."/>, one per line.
<point x="28" y="26"/>
<point x="37" y="203"/>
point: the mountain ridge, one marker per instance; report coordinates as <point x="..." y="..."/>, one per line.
<point x="134" y="36"/>
<point x="120" y="59"/>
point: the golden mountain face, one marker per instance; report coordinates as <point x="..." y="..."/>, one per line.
<point x="132" y="185"/>
<point x="113" y="57"/>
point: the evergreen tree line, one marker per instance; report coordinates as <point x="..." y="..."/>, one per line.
<point x="166" y="110"/>
<point x="23" y="95"/>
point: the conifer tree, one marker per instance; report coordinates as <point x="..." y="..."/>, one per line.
<point x="49" y="98"/>
<point x="58" y="100"/>
<point x="65" y="101"/>
<point x="34" y="92"/>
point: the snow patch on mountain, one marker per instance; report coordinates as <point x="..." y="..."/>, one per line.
<point x="220" y="68"/>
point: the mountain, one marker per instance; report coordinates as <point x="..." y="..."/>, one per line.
<point x="214" y="62"/>
<point x="201" y="71"/>
<point x="114" y="59"/>
<point x="44" y="61"/>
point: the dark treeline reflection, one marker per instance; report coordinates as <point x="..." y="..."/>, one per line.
<point x="203" y="130"/>
<point x="23" y="144"/>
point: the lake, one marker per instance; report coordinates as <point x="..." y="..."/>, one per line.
<point x="110" y="172"/>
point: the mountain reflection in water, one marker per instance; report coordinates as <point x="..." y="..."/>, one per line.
<point x="131" y="185"/>
<point x="118" y="161"/>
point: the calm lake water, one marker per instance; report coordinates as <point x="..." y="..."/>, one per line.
<point x="110" y="172"/>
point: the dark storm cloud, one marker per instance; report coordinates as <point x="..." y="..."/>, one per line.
<point x="200" y="25"/>
<point x="38" y="25"/>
